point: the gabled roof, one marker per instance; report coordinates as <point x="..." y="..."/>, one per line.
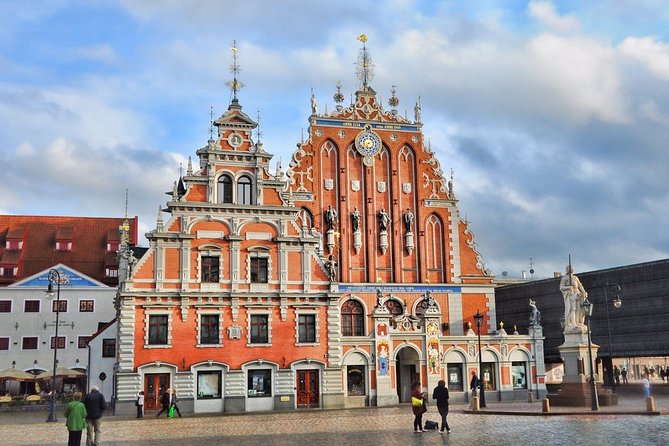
<point x="88" y="255"/>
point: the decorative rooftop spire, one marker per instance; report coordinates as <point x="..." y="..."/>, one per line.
<point x="258" y="132"/>
<point x="211" y="122"/>
<point x="364" y="64"/>
<point x="234" y="84"/>
<point x="393" y="101"/>
<point x="338" y="97"/>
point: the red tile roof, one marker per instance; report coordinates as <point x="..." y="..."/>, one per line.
<point x="89" y="237"/>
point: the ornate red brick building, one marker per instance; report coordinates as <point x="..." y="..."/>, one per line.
<point x="335" y="284"/>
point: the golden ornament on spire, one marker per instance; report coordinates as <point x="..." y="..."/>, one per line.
<point x="362" y="38"/>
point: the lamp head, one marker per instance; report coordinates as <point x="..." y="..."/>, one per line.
<point x="587" y="306"/>
<point x="478" y="319"/>
<point x="49" y="291"/>
<point x="617" y="302"/>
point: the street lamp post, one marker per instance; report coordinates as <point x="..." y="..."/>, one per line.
<point x="54" y="276"/>
<point x="617" y="302"/>
<point x="478" y="320"/>
<point x="594" y="402"/>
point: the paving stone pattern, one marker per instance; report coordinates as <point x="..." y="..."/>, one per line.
<point x="370" y="426"/>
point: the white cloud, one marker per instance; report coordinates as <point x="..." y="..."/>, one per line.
<point x="648" y="51"/>
<point x="546" y="14"/>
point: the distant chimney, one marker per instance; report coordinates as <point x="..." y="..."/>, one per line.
<point x="557" y="274"/>
<point x="505" y="273"/>
<point x="523" y="274"/>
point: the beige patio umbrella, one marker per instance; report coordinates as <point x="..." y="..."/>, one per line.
<point x="61" y="372"/>
<point x="16" y="375"/>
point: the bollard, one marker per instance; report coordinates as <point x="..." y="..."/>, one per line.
<point x="475" y="404"/>
<point x="545" y="405"/>
<point x="650" y="404"/>
<point x="530" y="397"/>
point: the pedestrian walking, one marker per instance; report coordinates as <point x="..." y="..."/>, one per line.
<point x="440" y="395"/>
<point x="173" y="403"/>
<point x="95" y="405"/>
<point x="75" y="412"/>
<point x="417" y="406"/>
<point x="616" y="375"/>
<point x="623" y="374"/>
<point x="164" y="402"/>
<point x="140" y="404"/>
<point x="646" y="386"/>
<point x="474" y="384"/>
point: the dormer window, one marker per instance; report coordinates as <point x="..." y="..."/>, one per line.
<point x="8" y="270"/>
<point x="113" y="246"/>
<point x="15" y="238"/>
<point x="113" y="240"/>
<point x="64" y="239"/>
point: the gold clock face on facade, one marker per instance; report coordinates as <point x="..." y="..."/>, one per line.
<point x="367" y="143"/>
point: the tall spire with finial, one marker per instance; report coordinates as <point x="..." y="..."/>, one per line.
<point x="393" y="101"/>
<point x="258" y="132"/>
<point x="234" y="84"/>
<point x="338" y="97"/>
<point x="364" y="64"/>
<point x="211" y="122"/>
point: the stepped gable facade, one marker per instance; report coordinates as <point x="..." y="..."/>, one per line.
<point x="334" y="284"/>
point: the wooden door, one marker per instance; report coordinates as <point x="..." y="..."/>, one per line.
<point x="307" y="388"/>
<point x="154" y="385"/>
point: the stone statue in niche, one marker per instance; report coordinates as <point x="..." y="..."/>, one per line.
<point x="330" y="217"/>
<point x="355" y="220"/>
<point x="383" y="220"/>
<point x="408" y="220"/>
<point x="331" y="266"/>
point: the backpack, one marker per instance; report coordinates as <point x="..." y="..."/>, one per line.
<point x="431" y="425"/>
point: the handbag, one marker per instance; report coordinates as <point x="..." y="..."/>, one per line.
<point x="170" y="413"/>
<point x="137" y="402"/>
<point x="416" y="401"/>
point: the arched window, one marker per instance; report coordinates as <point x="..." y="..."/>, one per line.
<point x="352" y="319"/>
<point x="224" y="189"/>
<point x="420" y="308"/>
<point x="395" y="307"/>
<point x="244" y="194"/>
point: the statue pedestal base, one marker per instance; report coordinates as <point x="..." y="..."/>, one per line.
<point x="575" y="388"/>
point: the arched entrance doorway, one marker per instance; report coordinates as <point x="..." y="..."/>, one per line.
<point x="407" y="370"/>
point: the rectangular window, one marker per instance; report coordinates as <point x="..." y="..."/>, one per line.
<point x="86" y="306"/>
<point x="454" y="376"/>
<point x="210" y="269"/>
<point x="5" y="306"/>
<point x="62" y="306"/>
<point x="208" y="385"/>
<point x="355" y="380"/>
<point x="7" y="271"/>
<point x="259" y="269"/>
<point x="307" y="328"/>
<point x="109" y="348"/>
<point x="113" y="246"/>
<point x="63" y="246"/>
<point x="29" y="343"/>
<point x="260" y="383"/>
<point x="518" y="375"/>
<point x="13" y="245"/>
<point x="111" y="271"/>
<point x="489" y="381"/>
<point x="158" y="330"/>
<point x="209" y="329"/>
<point x="259" y="329"/>
<point x="4" y="343"/>
<point x="82" y="341"/>
<point x="31" y="306"/>
<point x="61" y="342"/>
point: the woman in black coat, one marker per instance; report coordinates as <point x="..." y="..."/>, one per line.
<point x="440" y="395"/>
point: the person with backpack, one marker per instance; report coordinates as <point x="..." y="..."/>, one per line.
<point x="440" y="395"/>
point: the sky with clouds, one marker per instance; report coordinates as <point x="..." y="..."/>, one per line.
<point x="554" y="115"/>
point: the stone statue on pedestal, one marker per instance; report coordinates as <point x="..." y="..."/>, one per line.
<point x="574" y="294"/>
